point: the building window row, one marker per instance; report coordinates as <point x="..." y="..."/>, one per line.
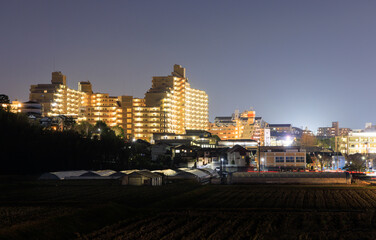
<point x="289" y="159"/>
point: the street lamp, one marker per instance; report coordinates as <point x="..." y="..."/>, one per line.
<point x="221" y="171"/>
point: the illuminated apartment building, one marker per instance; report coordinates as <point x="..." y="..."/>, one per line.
<point x="178" y="106"/>
<point x="56" y="98"/>
<point x="241" y="126"/>
<point x="333" y="131"/>
<point x="137" y="120"/>
<point x="100" y="107"/>
<point x="356" y="142"/>
<point x="14" y="107"/>
<point x="170" y="105"/>
<point x="146" y="120"/>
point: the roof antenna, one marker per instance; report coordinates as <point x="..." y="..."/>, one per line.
<point x="54" y="63"/>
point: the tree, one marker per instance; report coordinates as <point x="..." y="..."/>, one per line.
<point x="324" y="160"/>
<point x="355" y="162"/>
<point x="85" y="129"/>
<point x="103" y="130"/>
<point x="119" y="131"/>
<point x="328" y="143"/>
<point x="308" y="140"/>
<point x="4" y="98"/>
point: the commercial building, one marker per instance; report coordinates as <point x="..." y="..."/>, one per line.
<point x="282" y="158"/>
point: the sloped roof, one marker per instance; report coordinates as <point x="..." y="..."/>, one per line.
<point x="105" y="173"/>
<point x="240" y="149"/>
<point x="146" y="173"/>
<point x="166" y="172"/>
<point x="196" y="172"/>
<point x="129" y="171"/>
<point x="62" y="175"/>
<point x="210" y="171"/>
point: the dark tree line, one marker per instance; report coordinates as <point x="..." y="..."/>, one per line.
<point x="28" y="148"/>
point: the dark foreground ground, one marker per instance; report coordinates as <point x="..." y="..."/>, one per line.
<point x="35" y="210"/>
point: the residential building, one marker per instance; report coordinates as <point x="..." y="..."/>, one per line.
<point x="198" y="138"/>
<point x="57" y="98"/>
<point x="31" y="108"/>
<point x="173" y="106"/>
<point x="239" y="156"/>
<point x="333" y="131"/>
<point x="169" y="106"/>
<point x="344" y="131"/>
<point x="184" y="107"/>
<point x="241" y="126"/>
<point x="356" y="142"/>
<point x="100" y="107"/>
<point x="14" y="106"/>
<point x="146" y="120"/>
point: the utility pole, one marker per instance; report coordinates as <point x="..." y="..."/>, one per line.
<point x="258" y="155"/>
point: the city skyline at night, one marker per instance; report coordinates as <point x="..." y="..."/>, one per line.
<point x="307" y="64"/>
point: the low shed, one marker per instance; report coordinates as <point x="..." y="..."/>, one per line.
<point x="143" y="177"/>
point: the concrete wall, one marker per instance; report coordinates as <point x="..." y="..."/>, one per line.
<point x="289" y="178"/>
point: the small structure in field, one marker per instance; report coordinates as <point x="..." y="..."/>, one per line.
<point x="142" y="177"/>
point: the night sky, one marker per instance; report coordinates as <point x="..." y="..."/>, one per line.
<point x="302" y="62"/>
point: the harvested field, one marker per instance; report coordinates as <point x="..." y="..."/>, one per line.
<point x="188" y="211"/>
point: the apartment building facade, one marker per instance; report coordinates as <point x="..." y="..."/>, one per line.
<point x="169" y="106"/>
<point x="57" y="98"/>
<point x="356" y="142"/>
<point x="243" y="125"/>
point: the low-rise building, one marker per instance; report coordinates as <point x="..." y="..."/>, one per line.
<point x="282" y="158"/>
<point x="239" y="156"/>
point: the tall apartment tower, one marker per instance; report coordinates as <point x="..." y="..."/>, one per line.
<point x="56" y="98"/>
<point x="181" y="107"/>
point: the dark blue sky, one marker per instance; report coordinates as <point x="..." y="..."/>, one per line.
<point x="302" y="62"/>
